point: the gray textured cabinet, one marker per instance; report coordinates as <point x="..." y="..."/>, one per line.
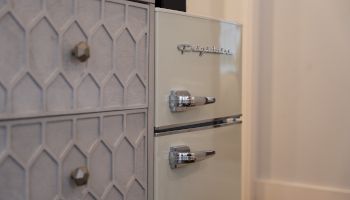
<point x="58" y="113"/>
<point x="38" y="156"/>
<point x="39" y="76"/>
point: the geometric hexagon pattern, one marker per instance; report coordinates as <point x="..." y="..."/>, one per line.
<point x="100" y="168"/>
<point x="125" y="169"/>
<point x="42" y="77"/>
<point x="114" y="194"/>
<point x="113" y="93"/>
<point x="27" y="9"/>
<point x="25" y="139"/>
<point x="27" y="95"/>
<point x="136" y="192"/>
<point x="60" y="11"/>
<point x="59" y="95"/>
<point x="43" y="49"/>
<point x="43" y="174"/>
<point x="113" y="128"/>
<point x="88" y="12"/>
<point x="40" y="156"/>
<point x="12" y="48"/>
<point x="101" y="61"/>
<point x="12" y="182"/>
<point x="61" y="101"/>
<point x="135" y="125"/>
<point x="58" y="134"/>
<point x="136" y="91"/>
<point x="114" y="16"/>
<point x="125" y="54"/>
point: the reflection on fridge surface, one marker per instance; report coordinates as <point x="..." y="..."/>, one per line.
<point x="197" y="108"/>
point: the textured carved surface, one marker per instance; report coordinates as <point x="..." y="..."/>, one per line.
<point x="88" y="93"/>
<point x="27" y="9"/>
<point x="113" y="93"/>
<point x="89" y="12"/>
<point x="25" y="139"/>
<point x="48" y="150"/>
<point x="42" y="76"/>
<point x="43" y="174"/>
<point x="136" y="192"/>
<point x="43" y="49"/>
<point x="73" y="68"/>
<point x="124" y="169"/>
<point x="114" y="194"/>
<point x="27" y="96"/>
<point x="60" y="11"/>
<point x="12" y="182"/>
<point x="101" y="61"/>
<point x="58" y="135"/>
<point x="136" y="92"/>
<point x="125" y="54"/>
<point x="59" y="95"/>
<point x="72" y="160"/>
<point x="42" y="83"/>
<point x="12" y="52"/>
<point x="101" y="170"/>
<point x="112" y="128"/>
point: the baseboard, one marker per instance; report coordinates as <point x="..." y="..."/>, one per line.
<point x="275" y="190"/>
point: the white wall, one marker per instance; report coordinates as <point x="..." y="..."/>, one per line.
<point x="303" y="100"/>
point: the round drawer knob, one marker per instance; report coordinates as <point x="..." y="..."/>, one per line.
<point x="80" y="176"/>
<point x="81" y="51"/>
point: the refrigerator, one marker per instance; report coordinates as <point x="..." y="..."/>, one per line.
<point x="197" y="107"/>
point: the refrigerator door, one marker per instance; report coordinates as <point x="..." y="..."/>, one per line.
<point x="217" y="177"/>
<point x="199" y="57"/>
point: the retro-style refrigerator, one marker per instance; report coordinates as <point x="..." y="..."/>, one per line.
<point x="197" y="108"/>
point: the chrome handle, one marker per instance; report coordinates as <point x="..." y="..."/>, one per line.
<point x="181" y="100"/>
<point x="80" y="176"/>
<point x="181" y="156"/>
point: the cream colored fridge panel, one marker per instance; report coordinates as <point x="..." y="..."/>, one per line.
<point x="217" y="177"/>
<point x="217" y="75"/>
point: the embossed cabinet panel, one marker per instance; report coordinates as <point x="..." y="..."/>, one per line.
<point x="73" y="99"/>
<point x="37" y="157"/>
<point x="39" y="76"/>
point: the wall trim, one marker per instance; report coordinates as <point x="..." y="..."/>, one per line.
<point x="249" y="96"/>
<point x="279" y="190"/>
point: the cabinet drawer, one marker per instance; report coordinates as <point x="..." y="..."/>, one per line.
<point x="37" y="156"/>
<point x="40" y="76"/>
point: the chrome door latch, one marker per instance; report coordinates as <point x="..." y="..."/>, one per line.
<point x="181" y="156"/>
<point x="181" y="100"/>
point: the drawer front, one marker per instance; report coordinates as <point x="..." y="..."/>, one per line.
<point x="37" y="157"/>
<point x="217" y="177"/>
<point x="40" y="76"/>
<point x="209" y="74"/>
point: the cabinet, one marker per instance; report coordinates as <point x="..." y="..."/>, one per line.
<point x="39" y="75"/>
<point x="39" y="155"/>
<point x="59" y="113"/>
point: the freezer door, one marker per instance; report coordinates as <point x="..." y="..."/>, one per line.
<point x="200" y="57"/>
<point x="217" y="177"/>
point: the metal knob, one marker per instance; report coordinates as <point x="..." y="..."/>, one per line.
<point x="80" y="176"/>
<point x="181" y="156"/>
<point x="181" y="100"/>
<point x="81" y="51"/>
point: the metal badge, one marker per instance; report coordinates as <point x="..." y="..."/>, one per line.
<point x="183" y="48"/>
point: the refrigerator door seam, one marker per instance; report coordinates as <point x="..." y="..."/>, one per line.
<point x="196" y="126"/>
